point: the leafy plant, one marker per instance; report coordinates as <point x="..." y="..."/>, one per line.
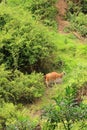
<point x="65" y="111"/>
<point x="27" y="88"/>
<point x="77" y="18"/>
<point x="11" y="118"/>
<point x="25" y="44"/>
<point x="45" y="11"/>
<point x="19" y="87"/>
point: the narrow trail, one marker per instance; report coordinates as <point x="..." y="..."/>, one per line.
<point x="61" y="5"/>
<point x="36" y="109"/>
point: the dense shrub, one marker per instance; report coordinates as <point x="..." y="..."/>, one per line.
<point x="15" y="2"/>
<point x="25" y="44"/>
<point x="76" y="5"/>
<point x="17" y="87"/>
<point x="76" y="16"/>
<point x="79" y="23"/>
<point x="44" y="10"/>
<point x="11" y="118"/>
<point x="66" y="112"/>
<point x="27" y="88"/>
<point x="84" y="7"/>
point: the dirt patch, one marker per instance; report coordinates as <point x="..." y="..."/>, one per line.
<point x="38" y="113"/>
<point x="61" y="5"/>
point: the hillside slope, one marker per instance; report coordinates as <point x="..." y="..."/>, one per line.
<point x="62" y="7"/>
<point x="36" y="108"/>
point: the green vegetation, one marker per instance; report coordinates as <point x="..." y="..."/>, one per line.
<point x="78" y="17"/>
<point x="17" y="87"/>
<point x="66" y="111"/>
<point x="42" y="10"/>
<point x="29" y="48"/>
<point x="12" y="118"/>
<point x="25" y="44"/>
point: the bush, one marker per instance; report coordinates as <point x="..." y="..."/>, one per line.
<point x="78" y="23"/>
<point x="76" y="6"/>
<point x="44" y="10"/>
<point x="11" y="118"/>
<point x="15" y="2"/>
<point x="66" y="112"/>
<point x="25" y="43"/>
<point x="17" y="87"/>
<point x="77" y="18"/>
<point x="83" y="5"/>
<point x="27" y="88"/>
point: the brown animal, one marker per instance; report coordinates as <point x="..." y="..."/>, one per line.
<point x="53" y="77"/>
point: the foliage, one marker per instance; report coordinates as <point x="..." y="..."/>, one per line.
<point x="78" y="75"/>
<point x="4" y="83"/>
<point x="79" y="23"/>
<point x="68" y="109"/>
<point x="65" y="111"/>
<point x="28" y="47"/>
<point x="19" y="87"/>
<point x="28" y="87"/>
<point x="25" y="44"/>
<point x="75" y="5"/>
<point x="15" y="2"/>
<point x="44" y="10"/>
<point x="84" y="7"/>
<point x="77" y="18"/>
<point x="11" y="118"/>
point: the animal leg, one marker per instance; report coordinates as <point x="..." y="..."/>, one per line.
<point x="47" y="83"/>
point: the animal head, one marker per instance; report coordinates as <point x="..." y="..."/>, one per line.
<point x="63" y="73"/>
